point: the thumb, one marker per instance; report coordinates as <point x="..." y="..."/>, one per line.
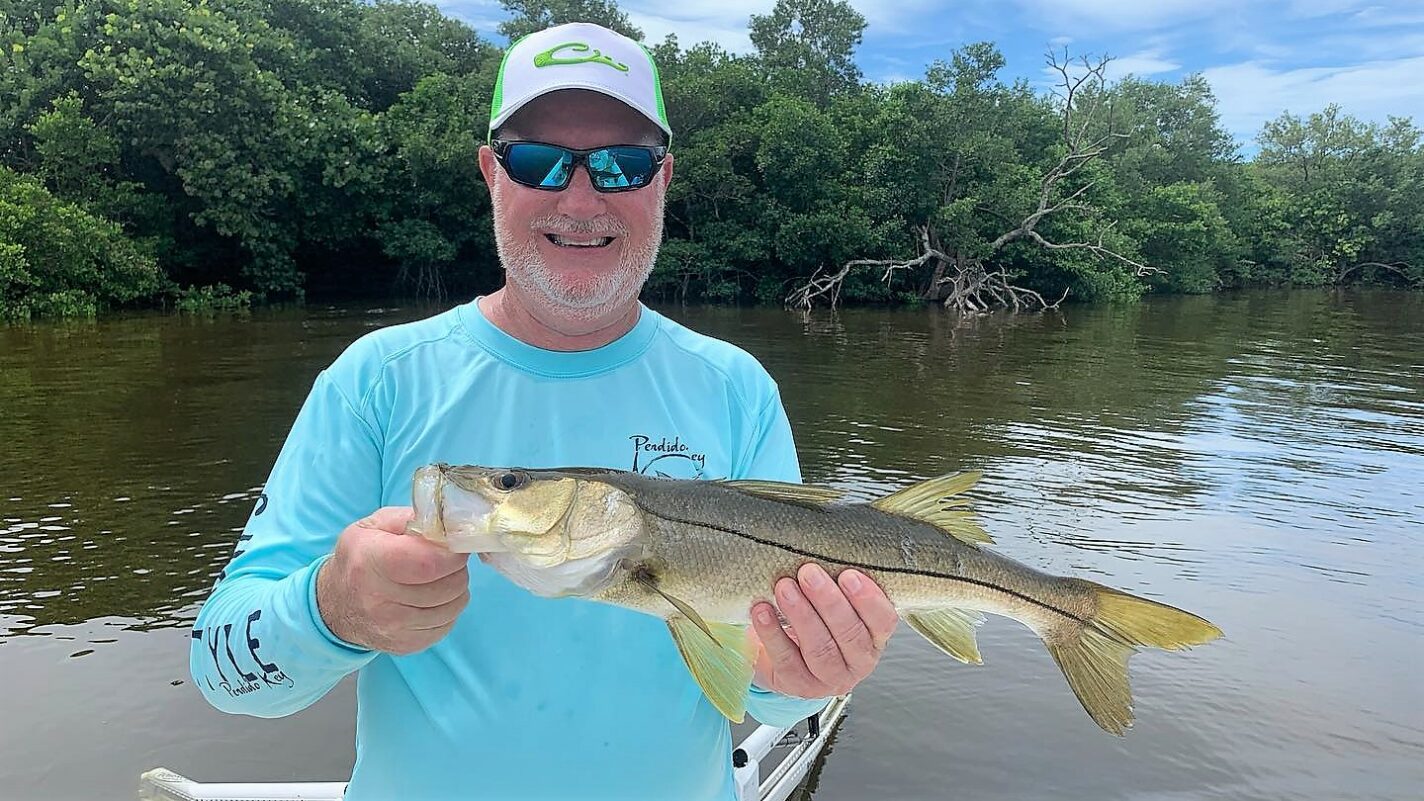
<point x="390" y="519"/>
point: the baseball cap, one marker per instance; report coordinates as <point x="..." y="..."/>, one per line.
<point x="578" y="55"/>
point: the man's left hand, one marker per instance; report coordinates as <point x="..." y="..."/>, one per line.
<point x="838" y="630"/>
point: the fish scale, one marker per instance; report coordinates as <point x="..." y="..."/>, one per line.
<point x="779" y="538"/>
<point x="699" y="554"/>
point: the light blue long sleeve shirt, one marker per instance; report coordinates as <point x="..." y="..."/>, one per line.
<point x="527" y="697"/>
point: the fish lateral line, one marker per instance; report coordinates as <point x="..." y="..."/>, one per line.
<point x="864" y="566"/>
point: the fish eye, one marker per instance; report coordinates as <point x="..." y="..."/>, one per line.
<point x="509" y="481"/>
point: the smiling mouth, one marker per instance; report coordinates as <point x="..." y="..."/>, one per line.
<point x="579" y="241"/>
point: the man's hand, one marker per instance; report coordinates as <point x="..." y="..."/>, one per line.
<point x="838" y="629"/>
<point x="390" y="592"/>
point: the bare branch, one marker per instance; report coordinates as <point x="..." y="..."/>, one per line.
<point x="805" y="295"/>
<point x="964" y="282"/>
<point x="1097" y="250"/>
<point x="1398" y="267"/>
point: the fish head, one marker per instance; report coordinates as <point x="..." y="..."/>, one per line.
<point x="553" y="532"/>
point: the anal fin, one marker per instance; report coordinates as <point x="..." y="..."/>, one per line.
<point x="951" y="630"/>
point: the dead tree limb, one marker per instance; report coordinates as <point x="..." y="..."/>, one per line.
<point x="829" y="286"/>
<point x="1398" y="267"/>
<point x="967" y="284"/>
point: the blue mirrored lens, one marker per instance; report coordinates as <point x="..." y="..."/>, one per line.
<point x="620" y="167"/>
<point x="550" y="167"/>
<point x="540" y="165"/>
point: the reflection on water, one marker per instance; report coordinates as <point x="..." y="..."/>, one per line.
<point x="1253" y="458"/>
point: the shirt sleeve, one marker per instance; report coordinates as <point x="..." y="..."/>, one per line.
<point x="772" y="457"/>
<point x="259" y="645"/>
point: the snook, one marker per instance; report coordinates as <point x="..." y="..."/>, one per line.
<point x="700" y="553"/>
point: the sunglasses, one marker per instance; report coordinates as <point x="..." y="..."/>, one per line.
<point x="615" y="168"/>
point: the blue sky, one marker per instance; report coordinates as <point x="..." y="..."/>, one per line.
<point x="1261" y="58"/>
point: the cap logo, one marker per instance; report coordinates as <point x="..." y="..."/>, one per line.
<point x="549" y="59"/>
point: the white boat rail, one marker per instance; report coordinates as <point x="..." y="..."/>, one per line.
<point x="161" y="784"/>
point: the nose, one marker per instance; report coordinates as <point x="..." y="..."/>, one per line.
<point x="579" y="199"/>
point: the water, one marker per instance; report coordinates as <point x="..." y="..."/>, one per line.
<point x="1255" y="458"/>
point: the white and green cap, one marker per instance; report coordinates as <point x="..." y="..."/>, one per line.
<point x="578" y="55"/>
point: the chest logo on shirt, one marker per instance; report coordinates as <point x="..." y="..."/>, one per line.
<point x="666" y="458"/>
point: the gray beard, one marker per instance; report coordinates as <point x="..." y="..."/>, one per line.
<point x="526" y="268"/>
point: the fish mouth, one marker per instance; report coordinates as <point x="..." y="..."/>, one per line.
<point x="579" y="241"/>
<point x="428" y="521"/>
<point x="438" y="500"/>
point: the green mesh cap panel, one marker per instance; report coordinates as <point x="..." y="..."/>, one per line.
<point x="657" y="88"/>
<point x="498" y="97"/>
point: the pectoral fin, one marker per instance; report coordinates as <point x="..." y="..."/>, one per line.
<point x="680" y="605"/>
<point x="722" y="665"/>
<point x="951" y="630"/>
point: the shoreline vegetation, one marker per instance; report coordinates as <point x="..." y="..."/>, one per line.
<point x="214" y="154"/>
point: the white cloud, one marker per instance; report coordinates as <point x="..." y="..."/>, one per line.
<point x="909" y="16"/>
<point x="482" y="15"/>
<point x="721" y="21"/>
<point x="731" y="36"/>
<point x="726" y="21"/>
<point x="1251" y="93"/>
<point x="1141" y="64"/>
<point x="1382" y="17"/>
<point x="889" y="78"/>
<point x="1321" y="8"/>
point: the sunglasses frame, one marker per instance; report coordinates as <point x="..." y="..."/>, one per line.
<point x="501" y="149"/>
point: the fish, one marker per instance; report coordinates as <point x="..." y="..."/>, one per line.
<point x="699" y="553"/>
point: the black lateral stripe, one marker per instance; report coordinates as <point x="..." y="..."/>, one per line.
<point x="864" y="566"/>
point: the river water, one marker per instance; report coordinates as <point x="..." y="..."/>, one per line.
<point x="1255" y="458"/>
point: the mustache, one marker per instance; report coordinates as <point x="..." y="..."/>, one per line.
<point x="597" y="226"/>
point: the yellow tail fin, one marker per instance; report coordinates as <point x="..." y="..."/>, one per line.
<point x="1093" y="657"/>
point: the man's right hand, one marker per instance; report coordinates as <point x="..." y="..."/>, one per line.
<point x="390" y="592"/>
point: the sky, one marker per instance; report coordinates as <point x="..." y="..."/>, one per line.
<point x="1261" y="57"/>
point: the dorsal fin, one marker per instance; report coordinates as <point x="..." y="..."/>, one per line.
<point x="935" y="502"/>
<point x="808" y="495"/>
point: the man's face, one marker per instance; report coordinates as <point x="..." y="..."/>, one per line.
<point x="578" y="254"/>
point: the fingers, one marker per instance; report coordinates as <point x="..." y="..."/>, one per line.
<point x="415" y="560"/>
<point x="391" y="519"/>
<point x="837" y="632"/>
<point x="435" y="593"/>
<point x="818" y="644"/>
<point x="875" y="610"/>
<point x="409" y="560"/>
<point x="850" y="647"/>
<point x="787" y="669"/>
<point x="438" y="617"/>
<point x="390" y="592"/>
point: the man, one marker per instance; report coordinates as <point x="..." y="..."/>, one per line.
<point x="470" y="687"/>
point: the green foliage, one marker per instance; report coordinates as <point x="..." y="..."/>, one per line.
<point x="218" y="297"/>
<point x="265" y="149"/>
<point x="1349" y="196"/>
<point x="808" y="46"/>
<point x="56" y="259"/>
<point x="536" y="15"/>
